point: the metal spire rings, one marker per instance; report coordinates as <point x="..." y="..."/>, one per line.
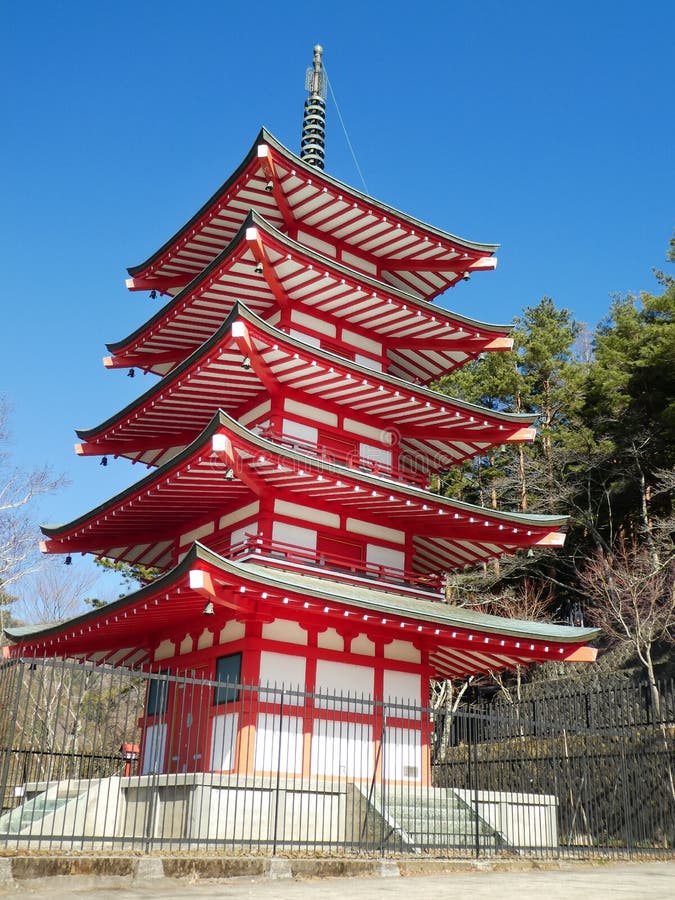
<point x="312" y="143"/>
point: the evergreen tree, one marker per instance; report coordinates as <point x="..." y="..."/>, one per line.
<point x="630" y="407"/>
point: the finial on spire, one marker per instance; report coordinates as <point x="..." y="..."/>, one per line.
<point x="312" y="143"/>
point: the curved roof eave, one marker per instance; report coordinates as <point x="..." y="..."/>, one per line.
<point x="240" y="309"/>
<point x="365" y="597"/>
<point x="264" y="136"/>
<point x="222" y="419"/>
<point x="254" y="218"/>
<point x="159" y="584"/>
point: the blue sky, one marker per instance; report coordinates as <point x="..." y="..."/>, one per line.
<point x="545" y="127"/>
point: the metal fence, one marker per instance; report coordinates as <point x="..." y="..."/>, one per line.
<point x="99" y="758"/>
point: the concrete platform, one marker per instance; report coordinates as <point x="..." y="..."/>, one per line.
<point x="119" y="878"/>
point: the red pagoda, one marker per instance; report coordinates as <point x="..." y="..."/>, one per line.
<point x="291" y="437"/>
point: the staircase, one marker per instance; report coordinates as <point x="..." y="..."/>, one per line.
<point x="420" y="819"/>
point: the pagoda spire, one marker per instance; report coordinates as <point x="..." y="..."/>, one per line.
<point x="312" y="143"/>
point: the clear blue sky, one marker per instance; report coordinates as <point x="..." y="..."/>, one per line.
<point x="548" y="128"/>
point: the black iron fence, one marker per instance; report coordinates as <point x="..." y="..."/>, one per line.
<point x="94" y="757"/>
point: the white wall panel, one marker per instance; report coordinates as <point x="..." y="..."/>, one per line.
<point x="239" y="535"/>
<point x="153" y="750"/>
<point x="278" y="740"/>
<point x="197" y="533"/>
<point x="309" y="339"/>
<point x="280" y="669"/>
<point x="402" y="650"/>
<point x="316" y="243"/>
<point x="362" y="342"/>
<point x="310" y="412"/>
<point x="404" y="688"/>
<point x="306" y="513"/>
<point x="368" y="362"/>
<point x="375" y="454"/>
<point x="238" y="514"/>
<point x="343" y="679"/>
<point x="385" y="556"/>
<point x="376" y="531"/>
<point x="342" y="749"/>
<point x="304" y="434"/>
<point x="294" y="535"/>
<point x="402" y="755"/>
<point x="316" y="324"/>
<point x="223" y="742"/>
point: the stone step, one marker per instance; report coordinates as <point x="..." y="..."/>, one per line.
<point x="431" y="818"/>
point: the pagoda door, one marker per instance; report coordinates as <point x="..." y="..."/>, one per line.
<point x="340" y="553"/>
<point x="189" y="723"/>
<point x="338" y="448"/>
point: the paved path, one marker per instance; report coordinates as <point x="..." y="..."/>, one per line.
<point x="632" y="881"/>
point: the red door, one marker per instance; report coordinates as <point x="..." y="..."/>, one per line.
<point x="338" y="553"/>
<point x="189" y="723"/>
<point x="338" y="449"/>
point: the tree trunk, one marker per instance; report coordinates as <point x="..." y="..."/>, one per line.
<point x="523" y="483"/>
<point x="644" y="511"/>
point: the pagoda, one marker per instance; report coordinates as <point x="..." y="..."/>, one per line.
<point x="292" y="436"/>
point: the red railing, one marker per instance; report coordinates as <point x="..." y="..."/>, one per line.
<point x="352" y="459"/>
<point x="280" y="552"/>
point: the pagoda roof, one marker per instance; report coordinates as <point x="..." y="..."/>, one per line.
<point x="429" y="426"/>
<point x="422" y="341"/>
<point x="293" y="195"/>
<point x="144" y="523"/>
<point x="460" y="641"/>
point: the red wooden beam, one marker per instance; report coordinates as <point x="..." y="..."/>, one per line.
<point x="162" y="283"/>
<point x="110" y="447"/>
<point x="450" y="344"/>
<point x="268" y="166"/>
<point x="242" y="337"/>
<point x="143" y="360"/>
<point x="511" y="434"/>
<point x="268" y="272"/>
<point x="456" y="264"/>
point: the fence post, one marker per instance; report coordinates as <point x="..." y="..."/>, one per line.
<point x="383" y="778"/>
<point x="472" y="757"/>
<point x="276" y="803"/>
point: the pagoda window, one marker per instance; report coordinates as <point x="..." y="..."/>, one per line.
<point x="228" y="671"/>
<point x="158" y="695"/>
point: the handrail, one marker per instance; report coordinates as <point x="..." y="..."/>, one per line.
<point x="352" y="459"/>
<point x="254" y="544"/>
